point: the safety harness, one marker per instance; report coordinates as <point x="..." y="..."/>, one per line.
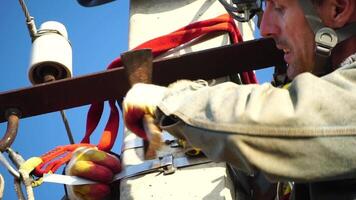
<point x="51" y="161"/>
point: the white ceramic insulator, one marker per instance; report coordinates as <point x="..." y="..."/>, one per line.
<point x="51" y="48"/>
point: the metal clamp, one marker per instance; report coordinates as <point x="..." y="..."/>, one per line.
<point x="167" y="164"/>
<point x="326" y="39"/>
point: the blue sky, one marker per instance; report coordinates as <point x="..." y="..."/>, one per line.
<point x="98" y="35"/>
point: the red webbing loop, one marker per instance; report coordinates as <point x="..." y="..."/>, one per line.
<point x="183" y="35"/>
<point x="161" y="45"/>
<point x="54" y="159"/>
<point x="108" y="137"/>
<point x="93" y="118"/>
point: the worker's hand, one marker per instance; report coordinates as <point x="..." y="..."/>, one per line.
<point x="142" y="99"/>
<point x="93" y="164"/>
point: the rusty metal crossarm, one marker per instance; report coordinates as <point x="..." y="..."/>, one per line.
<point x="218" y="62"/>
<point x="113" y="84"/>
<point x="65" y="93"/>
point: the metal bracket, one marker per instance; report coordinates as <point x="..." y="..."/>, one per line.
<point x="326" y="39"/>
<point x="167" y="164"/>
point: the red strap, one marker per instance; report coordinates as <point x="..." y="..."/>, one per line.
<point x="93" y="118"/>
<point x="108" y="137"/>
<point x="181" y="36"/>
<point x="161" y="45"/>
<point x="54" y="159"/>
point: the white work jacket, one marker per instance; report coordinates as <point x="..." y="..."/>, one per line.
<point x="304" y="133"/>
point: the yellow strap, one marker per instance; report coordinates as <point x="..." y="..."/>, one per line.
<point x="39" y="181"/>
<point x="189" y="150"/>
<point x="286" y="86"/>
<point x="30" y="164"/>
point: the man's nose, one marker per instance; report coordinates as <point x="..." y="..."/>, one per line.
<point x="268" y="26"/>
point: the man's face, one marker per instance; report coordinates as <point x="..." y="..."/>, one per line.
<point x="284" y="21"/>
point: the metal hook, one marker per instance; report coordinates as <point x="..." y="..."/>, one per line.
<point x="12" y="116"/>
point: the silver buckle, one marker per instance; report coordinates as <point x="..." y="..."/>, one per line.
<point x="326" y="39"/>
<point x="166" y="164"/>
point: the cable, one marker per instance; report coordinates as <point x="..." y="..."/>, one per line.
<point x="29" y="20"/>
<point x="66" y="124"/>
<point x="25" y="10"/>
<point x="8" y="166"/>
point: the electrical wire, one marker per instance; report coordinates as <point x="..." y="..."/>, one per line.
<point x="29" y="20"/>
<point x="25" y="10"/>
<point x="66" y="124"/>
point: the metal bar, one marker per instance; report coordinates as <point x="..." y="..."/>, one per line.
<point x="65" y="93"/>
<point x="218" y="62"/>
<point x="113" y="84"/>
<point x="12" y="115"/>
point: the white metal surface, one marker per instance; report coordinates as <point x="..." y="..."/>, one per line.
<point x="207" y="180"/>
<point x="150" y="19"/>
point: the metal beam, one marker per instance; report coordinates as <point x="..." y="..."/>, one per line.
<point x="113" y="84"/>
<point x="218" y="62"/>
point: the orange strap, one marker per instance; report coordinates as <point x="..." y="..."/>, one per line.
<point x="54" y="159"/>
<point x="161" y="45"/>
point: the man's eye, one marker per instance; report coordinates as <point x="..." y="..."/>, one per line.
<point x="280" y="9"/>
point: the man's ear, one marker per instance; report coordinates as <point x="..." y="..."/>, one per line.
<point x="336" y="13"/>
<point x="343" y="12"/>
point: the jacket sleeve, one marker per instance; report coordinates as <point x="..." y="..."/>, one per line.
<point x="304" y="133"/>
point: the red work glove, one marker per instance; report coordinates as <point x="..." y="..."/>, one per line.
<point x="95" y="165"/>
<point x="142" y="99"/>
